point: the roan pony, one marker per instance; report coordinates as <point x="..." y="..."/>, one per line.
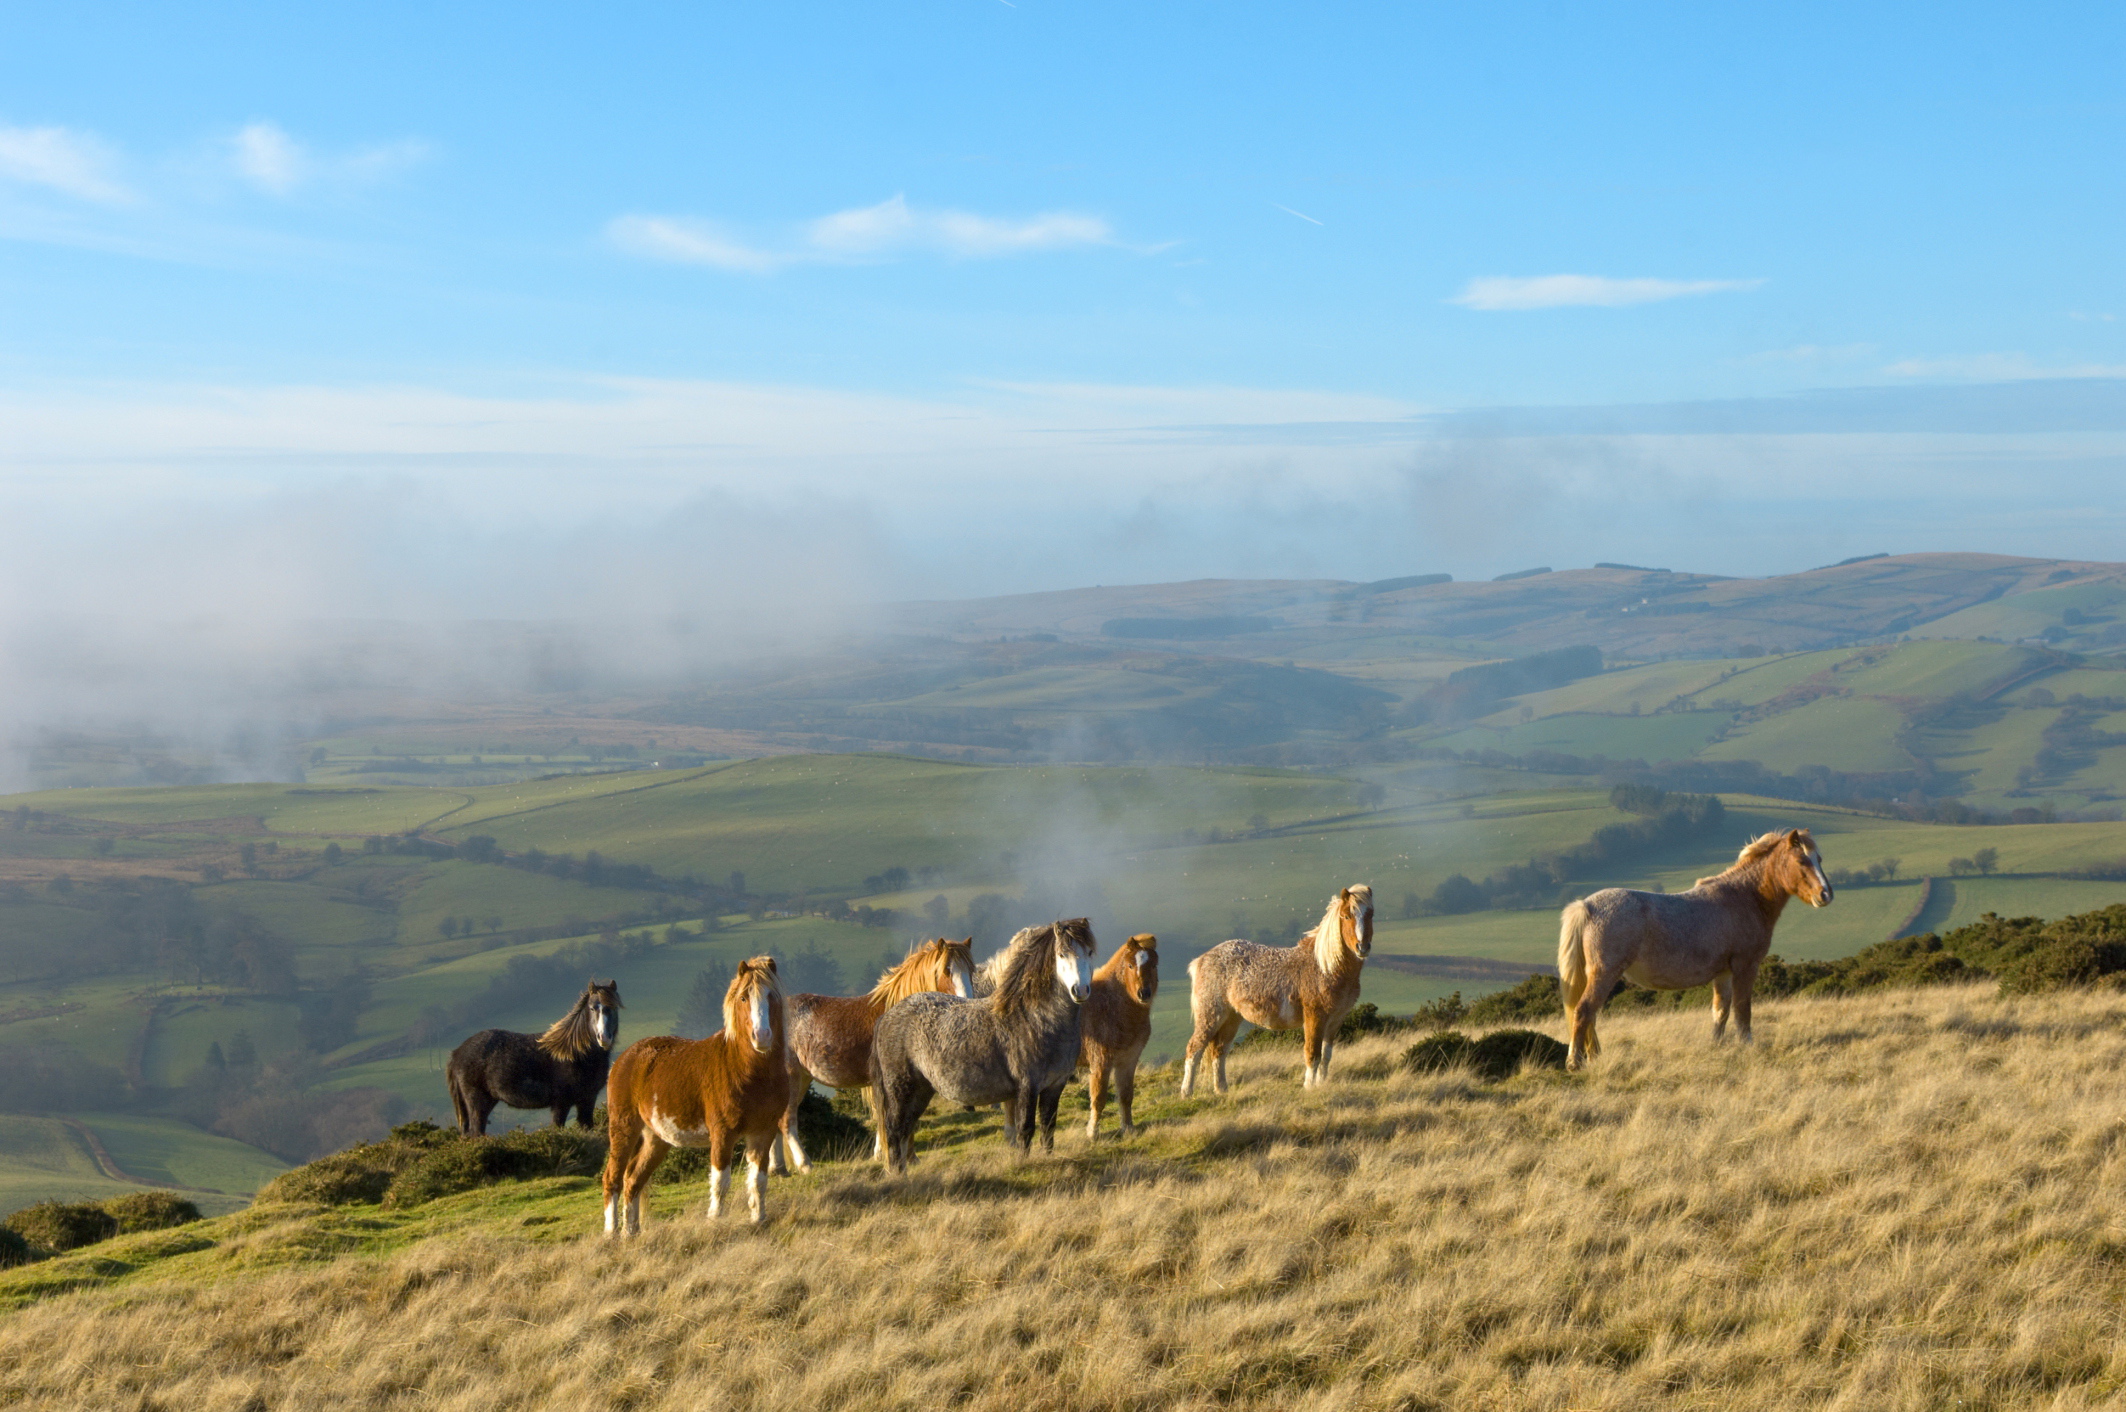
<point x="1118" y="1022"/>
<point x="559" y="1070"/>
<point x="1309" y="985"/>
<point x="669" y="1092"/>
<point x="1018" y="1046"/>
<point x="1719" y="931"/>
<point x="830" y="1035"/>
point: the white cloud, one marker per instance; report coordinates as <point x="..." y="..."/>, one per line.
<point x="265" y="155"/>
<point x="64" y="160"/>
<point x="862" y="233"/>
<point x="270" y="159"/>
<point x="1999" y="367"/>
<point x="687" y="242"/>
<point x="1496" y="292"/>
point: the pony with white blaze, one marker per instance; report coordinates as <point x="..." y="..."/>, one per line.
<point x="1719" y="931"/>
<point x="1117" y="1025"/>
<point x="1017" y="1046"/>
<point x="830" y="1035"/>
<point x="669" y="1092"/>
<point x="1310" y="985"/>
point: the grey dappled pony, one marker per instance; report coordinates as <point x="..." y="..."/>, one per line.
<point x="1017" y="1046"/>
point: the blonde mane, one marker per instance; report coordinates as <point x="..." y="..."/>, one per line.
<point x="921" y="971"/>
<point x="752" y="975"/>
<point x="1757" y="850"/>
<point x="573" y="1036"/>
<point x="1328" y="933"/>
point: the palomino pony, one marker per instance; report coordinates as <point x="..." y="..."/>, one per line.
<point x="669" y="1092"/>
<point x="830" y="1035"/>
<point x="1310" y="985"/>
<point x="1117" y="1023"/>
<point x="559" y="1070"/>
<point x="1018" y="1046"/>
<point x="1719" y="931"/>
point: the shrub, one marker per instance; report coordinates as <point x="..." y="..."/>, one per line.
<point x="460" y="1163"/>
<point x="1498" y="1055"/>
<point x="1443" y="1013"/>
<point x="1536" y="998"/>
<point x="150" y="1211"/>
<point x="14" y="1250"/>
<point x="63" y="1225"/>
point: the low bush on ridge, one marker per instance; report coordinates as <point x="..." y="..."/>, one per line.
<point x="51" y="1227"/>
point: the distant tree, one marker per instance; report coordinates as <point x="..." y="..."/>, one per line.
<point x="1890" y="866"/>
<point x="701" y="1013"/>
<point x="810" y="971"/>
<point x="373" y="844"/>
<point x="1986" y="859"/>
<point x="448" y="927"/>
<point x="480" y="848"/>
<point x="1459" y="894"/>
<point x="1413" y="906"/>
<point x="243" y="1054"/>
<point x="937" y="911"/>
<point x="215" y="1060"/>
<point x="208" y="873"/>
<point x="1961" y="867"/>
<point x="494" y="924"/>
<point x="334" y="855"/>
<point x="317" y="756"/>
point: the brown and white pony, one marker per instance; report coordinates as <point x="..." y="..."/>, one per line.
<point x="1117" y="1022"/>
<point x="830" y="1035"/>
<point x="1719" y="931"/>
<point x="669" y="1092"/>
<point x="1311" y="984"/>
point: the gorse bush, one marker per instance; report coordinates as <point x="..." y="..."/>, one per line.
<point x="150" y="1211"/>
<point x="63" y="1225"/>
<point x="1498" y="1055"/>
<point x="420" y="1162"/>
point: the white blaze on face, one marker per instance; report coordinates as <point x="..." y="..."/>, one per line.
<point x="763" y="1031"/>
<point x="1823" y="884"/>
<point x="1144" y="958"/>
<point x="1074" y="970"/>
<point x="962" y="979"/>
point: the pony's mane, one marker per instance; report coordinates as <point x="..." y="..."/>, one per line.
<point x="1756" y="851"/>
<point x="571" y="1036"/>
<point x="914" y="974"/>
<point x="752" y="975"/>
<point x="1025" y="973"/>
<point x="1328" y="933"/>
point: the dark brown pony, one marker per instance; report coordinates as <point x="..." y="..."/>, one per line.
<point x="561" y="1069"/>
<point x="669" y="1092"/>
<point x="830" y="1035"/>
<point x="1117" y="1024"/>
<point x="1719" y="931"/>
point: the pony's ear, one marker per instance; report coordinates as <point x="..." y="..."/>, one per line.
<point x="1793" y="839"/>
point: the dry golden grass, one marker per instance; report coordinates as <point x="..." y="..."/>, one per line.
<point x="1910" y="1200"/>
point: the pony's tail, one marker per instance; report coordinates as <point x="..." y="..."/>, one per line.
<point x="458" y="1104"/>
<point x="1572" y="956"/>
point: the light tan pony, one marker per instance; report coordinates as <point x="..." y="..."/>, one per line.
<point x="1719" y="931"/>
<point x="830" y="1035"/>
<point x="668" y="1092"/>
<point x="1117" y="1022"/>
<point x="1309" y="985"/>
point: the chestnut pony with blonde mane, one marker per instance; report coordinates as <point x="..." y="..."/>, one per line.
<point x="1719" y="931"/>
<point x="830" y="1035"/>
<point x="1117" y="1022"/>
<point x="1309" y="985"/>
<point x="669" y="1092"/>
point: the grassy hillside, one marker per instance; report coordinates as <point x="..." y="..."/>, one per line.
<point x="1906" y="1200"/>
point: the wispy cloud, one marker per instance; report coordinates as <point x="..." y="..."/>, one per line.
<point x="1301" y="214"/>
<point x="1509" y="292"/>
<point x="1815" y="353"/>
<point x="864" y="233"/>
<point x="62" y="159"/>
<point x="2000" y="367"/>
<point x="266" y="156"/>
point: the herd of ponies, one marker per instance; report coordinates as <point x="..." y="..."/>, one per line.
<point x="1014" y="1030"/>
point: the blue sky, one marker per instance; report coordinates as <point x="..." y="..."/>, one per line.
<point x="1207" y="289"/>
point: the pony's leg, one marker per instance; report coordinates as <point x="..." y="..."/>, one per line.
<point x="618" y="1153"/>
<point x="1328" y="1052"/>
<point x="1745" y="983"/>
<point x="1723" y="997"/>
<point x="878" y="1124"/>
<point x="791" y="1152"/>
<point x="1221" y="1042"/>
<point x="1095" y="1093"/>
<point x="1585" y="1043"/>
<point x="561" y="1115"/>
<point x="1049" y="1100"/>
<point x="757" y="1153"/>
<point x="1209" y="1018"/>
<point x="1126" y="1094"/>
<point x="1026" y="1111"/>
<point x="719" y="1172"/>
<point x="483" y="1107"/>
<point x="649" y="1154"/>
<point x="1317" y="1048"/>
